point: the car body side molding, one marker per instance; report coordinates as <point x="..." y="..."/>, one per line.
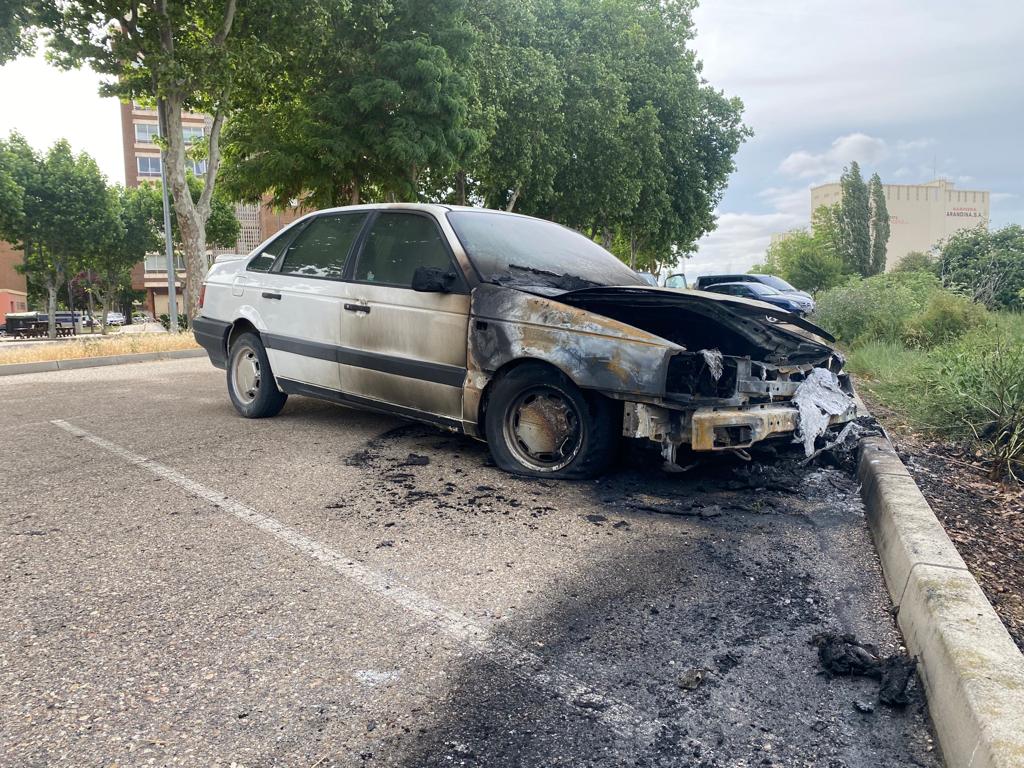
<point x="334" y="396"/>
<point x="448" y="375"/>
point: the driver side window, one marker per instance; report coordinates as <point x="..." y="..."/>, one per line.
<point x="396" y="245"/>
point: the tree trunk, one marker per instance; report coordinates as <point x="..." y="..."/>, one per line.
<point x="513" y="200"/>
<point x="354" y="192"/>
<point x="460" y="187"/>
<point x="51" y="308"/>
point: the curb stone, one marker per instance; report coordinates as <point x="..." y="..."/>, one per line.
<point x="13" y="369"/>
<point x="973" y="672"/>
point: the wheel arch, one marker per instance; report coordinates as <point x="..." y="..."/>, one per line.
<point x="505" y="370"/>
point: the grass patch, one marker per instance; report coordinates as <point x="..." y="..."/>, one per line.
<point x="100" y="346"/>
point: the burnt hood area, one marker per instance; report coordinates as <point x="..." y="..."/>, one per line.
<point x="698" y="322"/>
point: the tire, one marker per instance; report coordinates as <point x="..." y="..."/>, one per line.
<point x="251" y="384"/>
<point x="538" y="423"/>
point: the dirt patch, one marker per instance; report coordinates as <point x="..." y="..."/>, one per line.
<point x="984" y="519"/>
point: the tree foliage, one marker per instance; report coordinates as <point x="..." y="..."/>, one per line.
<point x="810" y="259"/>
<point x="17" y="18"/>
<point x="593" y="114"/>
<point x="64" y="217"/>
<point x="987" y="266"/>
<point x="855" y="218"/>
<point x="132" y="233"/>
<point x="210" y="56"/>
<point x="879" y="224"/>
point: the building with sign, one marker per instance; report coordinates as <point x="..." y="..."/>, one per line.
<point x="920" y="215"/>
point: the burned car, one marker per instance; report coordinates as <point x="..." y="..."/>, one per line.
<point x="514" y="330"/>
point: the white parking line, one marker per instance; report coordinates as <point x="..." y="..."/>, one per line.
<point x="617" y="715"/>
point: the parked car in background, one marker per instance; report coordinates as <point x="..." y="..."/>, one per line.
<point x="513" y="330"/>
<point x="677" y="280"/>
<point x="648" y="278"/>
<point x="142" y="317"/>
<point x="704" y="282"/>
<point x="115" y="318"/>
<point x="760" y="292"/>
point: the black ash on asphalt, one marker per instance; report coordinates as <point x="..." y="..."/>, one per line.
<point x="844" y="655"/>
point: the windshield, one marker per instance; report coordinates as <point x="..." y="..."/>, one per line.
<point x="524" y="252"/>
<point x="762" y="290"/>
<point x="776" y="282"/>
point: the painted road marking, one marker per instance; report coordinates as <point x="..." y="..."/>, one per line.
<point x="621" y="717"/>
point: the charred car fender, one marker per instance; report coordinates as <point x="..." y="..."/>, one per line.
<point x="596" y="352"/>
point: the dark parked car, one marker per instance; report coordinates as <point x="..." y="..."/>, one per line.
<point x="704" y="283"/>
<point x="760" y="292"/>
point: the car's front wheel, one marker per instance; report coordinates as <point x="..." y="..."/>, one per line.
<point x="250" y="382"/>
<point x="539" y="423"/>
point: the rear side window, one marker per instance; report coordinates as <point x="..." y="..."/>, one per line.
<point x="265" y="259"/>
<point x="322" y="248"/>
<point x="396" y="245"/>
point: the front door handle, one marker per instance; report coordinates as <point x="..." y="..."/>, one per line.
<point x="269" y="295"/>
<point x="358" y="308"/>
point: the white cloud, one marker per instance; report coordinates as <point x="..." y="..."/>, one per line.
<point x="866" y="150"/>
<point x="739" y="243"/>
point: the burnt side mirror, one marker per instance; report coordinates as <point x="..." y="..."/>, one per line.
<point x="433" y="280"/>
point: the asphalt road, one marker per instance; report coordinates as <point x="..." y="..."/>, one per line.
<point x="179" y="586"/>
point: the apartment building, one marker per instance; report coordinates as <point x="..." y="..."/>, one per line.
<point x="140" y="127"/>
<point x="920" y="215"/>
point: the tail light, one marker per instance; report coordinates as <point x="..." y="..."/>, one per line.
<point x="202" y="295"/>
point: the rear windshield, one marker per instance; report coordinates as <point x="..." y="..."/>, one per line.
<point x="775" y="282"/>
<point x="523" y="252"/>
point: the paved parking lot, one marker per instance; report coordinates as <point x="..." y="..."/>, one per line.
<point x="179" y="586"/>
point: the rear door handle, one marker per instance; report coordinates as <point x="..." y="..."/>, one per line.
<point x="269" y="295"/>
<point x="357" y="308"/>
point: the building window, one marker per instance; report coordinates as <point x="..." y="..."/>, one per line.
<point x="192" y="133"/>
<point x="198" y="166"/>
<point x="145" y="133"/>
<point x="149" y="165"/>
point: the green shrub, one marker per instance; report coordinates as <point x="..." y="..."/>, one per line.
<point x="947" y="316"/>
<point x="876" y="308"/>
<point x="973" y="387"/>
<point x="916" y="261"/>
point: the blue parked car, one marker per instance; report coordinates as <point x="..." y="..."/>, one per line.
<point x="762" y="292"/>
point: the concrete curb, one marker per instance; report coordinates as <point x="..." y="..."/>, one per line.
<point x="14" y="369"/>
<point x="973" y="673"/>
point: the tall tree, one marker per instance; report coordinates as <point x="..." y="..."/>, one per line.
<point x="131" y="235"/>
<point x="65" y="214"/>
<point x="879" y="224"/>
<point x="855" y="217"/>
<point x="210" y="56"/>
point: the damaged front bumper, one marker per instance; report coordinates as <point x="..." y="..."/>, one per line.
<point x="716" y="429"/>
<point x="812" y="399"/>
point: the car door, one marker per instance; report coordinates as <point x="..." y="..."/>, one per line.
<point x="301" y="298"/>
<point x="402" y="347"/>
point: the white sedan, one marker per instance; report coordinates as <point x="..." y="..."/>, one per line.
<point x="511" y="329"/>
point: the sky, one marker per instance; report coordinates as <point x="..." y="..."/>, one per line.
<point x="912" y="89"/>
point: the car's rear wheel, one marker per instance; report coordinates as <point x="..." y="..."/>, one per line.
<point x="250" y="381"/>
<point x="539" y="423"/>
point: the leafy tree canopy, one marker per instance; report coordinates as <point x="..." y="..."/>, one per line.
<point x="987" y="266"/>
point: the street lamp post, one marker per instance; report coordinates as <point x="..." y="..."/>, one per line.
<point x="172" y="273"/>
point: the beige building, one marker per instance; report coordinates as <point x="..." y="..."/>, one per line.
<point x="920" y="215"/>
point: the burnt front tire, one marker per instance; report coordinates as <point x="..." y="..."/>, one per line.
<point x="251" y="383"/>
<point x="540" y="424"/>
